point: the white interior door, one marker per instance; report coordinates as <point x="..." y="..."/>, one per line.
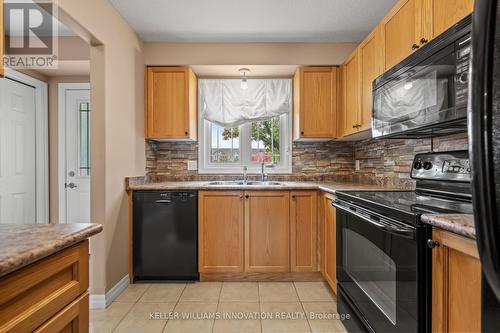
<point x="77" y="184"/>
<point x="17" y="153"/>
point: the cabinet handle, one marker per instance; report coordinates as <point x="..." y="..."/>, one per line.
<point x="247" y="196"/>
<point x="302" y="132"/>
<point x="186" y="132"/>
<point x="432" y="243"/>
<point x="241" y="196"/>
<point x="293" y="196"/>
<point x="423" y="41"/>
<point x="414" y="47"/>
<point x="354" y="126"/>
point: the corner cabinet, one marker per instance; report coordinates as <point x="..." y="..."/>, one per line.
<point x="303" y="231"/>
<point x="328" y="240"/>
<point x="350" y="95"/>
<point x="315" y="103"/>
<point x="456" y="284"/>
<point x="171" y="103"/>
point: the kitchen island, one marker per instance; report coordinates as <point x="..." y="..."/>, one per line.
<point x="44" y="277"/>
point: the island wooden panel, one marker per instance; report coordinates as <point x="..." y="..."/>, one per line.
<point x="220" y="230"/>
<point x="330" y="239"/>
<point x="267" y="231"/>
<point x="34" y="294"/>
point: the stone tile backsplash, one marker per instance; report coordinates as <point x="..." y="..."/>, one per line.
<point x="382" y="162"/>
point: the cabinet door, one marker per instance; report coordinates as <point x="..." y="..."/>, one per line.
<point x="316" y="111"/>
<point x="74" y="318"/>
<point x="220" y="231"/>
<point x="350" y="86"/>
<point x="456" y="284"/>
<point x="401" y="28"/>
<point x="330" y="230"/>
<point x="442" y="14"/>
<point x="171" y="103"/>
<point x="267" y="231"/>
<point x="303" y="224"/>
<point x="370" y="53"/>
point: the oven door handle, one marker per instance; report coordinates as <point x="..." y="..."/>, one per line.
<point x="407" y="233"/>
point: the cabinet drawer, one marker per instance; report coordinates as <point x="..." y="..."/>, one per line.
<point x="72" y="319"/>
<point x="32" y="295"/>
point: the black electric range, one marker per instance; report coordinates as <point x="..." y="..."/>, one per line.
<point x="383" y="261"/>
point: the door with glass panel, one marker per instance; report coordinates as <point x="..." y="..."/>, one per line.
<point x="77" y="144"/>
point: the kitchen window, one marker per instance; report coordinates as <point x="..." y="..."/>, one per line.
<point x="228" y="149"/>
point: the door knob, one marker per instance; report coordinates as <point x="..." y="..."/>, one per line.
<point x="423" y="41"/>
<point x="70" y="185"/>
<point x="432" y="243"/>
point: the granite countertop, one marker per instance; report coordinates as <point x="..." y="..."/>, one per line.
<point x="330" y="187"/>
<point x="462" y="224"/>
<point x="23" y="244"/>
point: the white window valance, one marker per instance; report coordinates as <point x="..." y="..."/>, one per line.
<point x="225" y="103"/>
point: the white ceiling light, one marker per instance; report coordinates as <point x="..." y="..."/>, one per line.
<point x="243" y="73"/>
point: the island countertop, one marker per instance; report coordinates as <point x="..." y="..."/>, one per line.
<point x="23" y="244"/>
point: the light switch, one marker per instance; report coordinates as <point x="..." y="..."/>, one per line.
<point x="192" y="165"/>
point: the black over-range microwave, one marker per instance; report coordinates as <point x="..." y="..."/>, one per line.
<point x="426" y="94"/>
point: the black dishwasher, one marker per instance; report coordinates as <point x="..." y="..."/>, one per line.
<point x="165" y="235"/>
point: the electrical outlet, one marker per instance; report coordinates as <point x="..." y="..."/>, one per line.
<point x="358" y="167"/>
<point x="192" y="165"/>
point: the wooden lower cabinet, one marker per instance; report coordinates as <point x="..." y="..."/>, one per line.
<point x="267" y="231"/>
<point x="49" y="295"/>
<point x="456" y="284"/>
<point x="328" y="248"/>
<point x="220" y="229"/>
<point x="257" y="232"/>
<point x="303" y="231"/>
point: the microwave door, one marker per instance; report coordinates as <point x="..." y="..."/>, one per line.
<point x="421" y="96"/>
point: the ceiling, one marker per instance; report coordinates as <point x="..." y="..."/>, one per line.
<point x="212" y="21"/>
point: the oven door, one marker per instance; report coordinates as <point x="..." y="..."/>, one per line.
<point x="377" y="268"/>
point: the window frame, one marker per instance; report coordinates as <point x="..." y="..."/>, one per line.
<point x="206" y="167"/>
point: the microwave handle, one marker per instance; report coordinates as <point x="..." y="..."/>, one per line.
<point x="407" y="233"/>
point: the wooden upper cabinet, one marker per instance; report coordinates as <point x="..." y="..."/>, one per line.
<point x="350" y="95"/>
<point x="456" y="284"/>
<point x="220" y="240"/>
<point x="371" y="65"/>
<point x="439" y="15"/>
<point x="267" y="231"/>
<point x="315" y="103"/>
<point x="303" y="231"/>
<point x="401" y="30"/>
<point x="171" y="103"/>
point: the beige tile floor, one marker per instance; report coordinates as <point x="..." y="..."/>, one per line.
<point x="205" y="307"/>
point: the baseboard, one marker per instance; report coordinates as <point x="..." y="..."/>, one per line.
<point x="99" y="301"/>
<point x="256" y="277"/>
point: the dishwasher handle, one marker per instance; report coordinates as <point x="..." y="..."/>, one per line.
<point x="163" y="201"/>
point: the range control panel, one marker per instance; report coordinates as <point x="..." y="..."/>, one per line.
<point x="451" y="166"/>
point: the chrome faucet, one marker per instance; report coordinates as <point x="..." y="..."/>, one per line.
<point x="245" y="175"/>
<point x="263" y="176"/>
